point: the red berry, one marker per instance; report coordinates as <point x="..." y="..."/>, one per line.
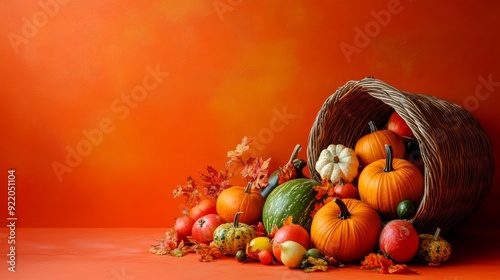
<point x="266" y="257"/>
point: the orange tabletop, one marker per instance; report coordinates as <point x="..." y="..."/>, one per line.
<point x="122" y="254"/>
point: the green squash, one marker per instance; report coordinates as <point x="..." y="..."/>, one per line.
<point x="293" y="198"/>
<point x="229" y="238"/>
<point x="406" y="210"/>
<point x="433" y="250"/>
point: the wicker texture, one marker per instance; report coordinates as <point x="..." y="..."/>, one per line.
<point x="456" y="151"/>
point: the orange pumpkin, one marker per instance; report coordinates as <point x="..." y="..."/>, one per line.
<point x="386" y="182"/>
<point x="370" y="147"/>
<point x="346" y="229"/>
<point x="239" y="199"/>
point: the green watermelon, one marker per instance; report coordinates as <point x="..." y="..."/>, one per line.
<point x="293" y="198"/>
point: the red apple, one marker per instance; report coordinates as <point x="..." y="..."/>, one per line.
<point x="398" y="125"/>
<point x="203" y="229"/>
<point x="204" y="207"/>
<point x="183" y="227"/>
<point x="399" y="240"/>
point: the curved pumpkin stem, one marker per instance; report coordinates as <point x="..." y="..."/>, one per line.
<point x="236" y="222"/>
<point x="372" y="126"/>
<point x="436" y="234"/>
<point x="295" y="153"/>
<point x="388" y="159"/>
<point x="344" y="212"/>
<point x="248" y="188"/>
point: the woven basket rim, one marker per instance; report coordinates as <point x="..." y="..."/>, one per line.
<point x="427" y="116"/>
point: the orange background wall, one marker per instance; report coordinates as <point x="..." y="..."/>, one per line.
<point x="224" y="69"/>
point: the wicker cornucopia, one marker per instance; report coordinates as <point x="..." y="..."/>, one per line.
<point x="456" y="151"/>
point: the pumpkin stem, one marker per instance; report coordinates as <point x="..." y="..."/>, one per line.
<point x="248" y="188"/>
<point x="372" y="126"/>
<point x="341" y="182"/>
<point x="335" y="159"/>
<point x="295" y="153"/>
<point x="436" y="234"/>
<point x="236" y="222"/>
<point x="344" y="212"/>
<point x="388" y="159"/>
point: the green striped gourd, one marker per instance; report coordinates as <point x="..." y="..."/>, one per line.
<point x="293" y="198"/>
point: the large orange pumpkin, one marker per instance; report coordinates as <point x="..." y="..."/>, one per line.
<point x="239" y="199"/>
<point x="346" y="229"/>
<point x="370" y="147"/>
<point x="386" y="182"/>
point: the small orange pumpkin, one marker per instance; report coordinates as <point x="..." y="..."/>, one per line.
<point x="239" y="199"/>
<point x="346" y="229"/>
<point x="370" y="147"/>
<point x="386" y="182"/>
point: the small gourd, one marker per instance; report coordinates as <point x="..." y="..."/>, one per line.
<point x="433" y="249"/>
<point x="229" y="238"/>
<point x="337" y="162"/>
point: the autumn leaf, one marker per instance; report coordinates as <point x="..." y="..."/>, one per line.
<point x="332" y="261"/>
<point x="317" y="206"/>
<point x="288" y="220"/>
<point x="169" y="245"/>
<point x="273" y="232"/>
<point x="325" y="192"/>
<point x="320" y="192"/>
<point x="256" y="171"/>
<point x="216" y="181"/>
<point x="315" y="264"/>
<point x="384" y="265"/>
<point x="206" y="252"/>
<point x="401" y="269"/>
<point x="328" y="199"/>
<point x="236" y="156"/>
<point x="190" y="191"/>
<point x="286" y="173"/>
<point x="259" y="229"/>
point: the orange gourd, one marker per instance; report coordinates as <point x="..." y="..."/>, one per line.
<point x="386" y="182"/>
<point x="370" y="147"/>
<point x="239" y="199"/>
<point x="346" y="229"/>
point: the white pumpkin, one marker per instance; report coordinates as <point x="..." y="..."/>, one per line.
<point x="338" y="162"/>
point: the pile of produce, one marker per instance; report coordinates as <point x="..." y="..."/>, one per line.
<point x="360" y="212"/>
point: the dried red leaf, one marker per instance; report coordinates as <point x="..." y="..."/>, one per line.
<point x="256" y="170"/>
<point x="328" y="199"/>
<point x="236" y="156"/>
<point x="190" y="191"/>
<point x="288" y="220"/>
<point x="273" y="231"/>
<point x="384" y="265"/>
<point x="259" y="229"/>
<point x="401" y="269"/>
<point x="215" y="181"/>
<point x="286" y="173"/>
<point x="317" y="206"/>
<point x="205" y="252"/>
